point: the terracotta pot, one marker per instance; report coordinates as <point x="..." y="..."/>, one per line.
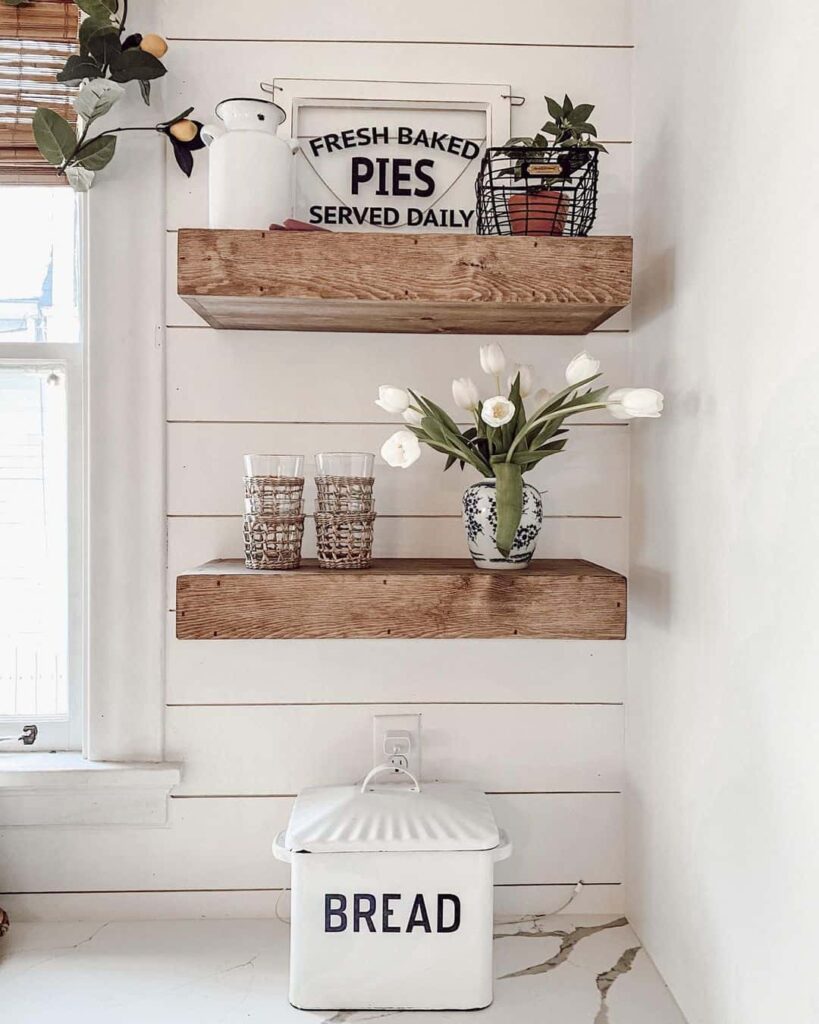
<point x="543" y="212"/>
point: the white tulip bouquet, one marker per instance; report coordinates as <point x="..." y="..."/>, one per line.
<point x="506" y="441"/>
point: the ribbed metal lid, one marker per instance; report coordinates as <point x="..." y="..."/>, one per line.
<point x="392" y="818"/>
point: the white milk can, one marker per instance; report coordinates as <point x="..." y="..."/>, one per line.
<point x="392" y="895"/>
<point x="250" y="166"/>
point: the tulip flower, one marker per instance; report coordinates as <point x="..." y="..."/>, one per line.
<point x="497" y="411"/>
<point x="465" y="393"/>
<point x="412" y="416"/>
<point x="493" y="361"/>
<point x="527" y="379"/>
<point x="635" y="403"/>
<point x="542" y="396"/>
<point x="401" y="449"/>
<point x="393" y="400"/>
<point x="581" y="368"/>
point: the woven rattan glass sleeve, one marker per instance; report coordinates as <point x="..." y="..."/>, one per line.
<point x="35" y="41"/>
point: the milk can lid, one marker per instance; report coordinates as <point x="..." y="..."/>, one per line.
<point x="391" y="818"/>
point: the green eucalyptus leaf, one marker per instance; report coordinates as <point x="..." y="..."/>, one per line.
<point x="540" y="141"/>
<point x="54" y="136"/>
<point x="97" y="153"/>
<point x="77" y="69"/>
<point x="568" y="106"/>
<point x="134" y="65"/>
<point x="586" y="128"/>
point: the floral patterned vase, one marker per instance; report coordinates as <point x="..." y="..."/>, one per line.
<point x="481" y="521"/>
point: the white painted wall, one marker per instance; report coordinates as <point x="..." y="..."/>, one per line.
<point x="538" y="723"/>
<point x="723" y="700"/>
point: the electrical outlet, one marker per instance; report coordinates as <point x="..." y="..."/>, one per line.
<point x="397" y="741"/>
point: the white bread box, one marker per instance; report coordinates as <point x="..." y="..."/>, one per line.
<point x="391" y="896"/>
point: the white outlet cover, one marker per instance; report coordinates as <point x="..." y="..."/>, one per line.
<point x="383" y="724"/>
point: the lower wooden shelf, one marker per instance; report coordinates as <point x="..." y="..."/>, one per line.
<point x="402" y="598"/>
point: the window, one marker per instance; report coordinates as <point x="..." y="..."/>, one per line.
<point x="41" y="466"/>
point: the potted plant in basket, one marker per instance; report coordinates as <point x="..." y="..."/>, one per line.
<point x="502" y="514"/>
<point x="543" y="208"/>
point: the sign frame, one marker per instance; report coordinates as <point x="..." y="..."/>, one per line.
<point x="492" y="100"/>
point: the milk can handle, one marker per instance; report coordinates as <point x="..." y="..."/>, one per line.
<point x="414" y="788"/>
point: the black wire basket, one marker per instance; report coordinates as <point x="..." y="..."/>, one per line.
<point x="549" y="191"/>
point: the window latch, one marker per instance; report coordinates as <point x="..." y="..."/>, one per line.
<point x="28" y="737"/>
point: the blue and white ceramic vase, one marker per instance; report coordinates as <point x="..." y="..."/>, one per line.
<point x="481" y="522"/>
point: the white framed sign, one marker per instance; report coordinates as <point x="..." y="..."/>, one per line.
<point x="390" y="155"/>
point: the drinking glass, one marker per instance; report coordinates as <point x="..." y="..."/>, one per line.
<point x="274" y="485"/>
<point x="345" y="464"/>
<point x="275" y="465"/>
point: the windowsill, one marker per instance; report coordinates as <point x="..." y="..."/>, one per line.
<point x="65" y="789"/>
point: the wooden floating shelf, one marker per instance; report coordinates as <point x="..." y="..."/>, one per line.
<point x="401" y="598"/>
<point x="418" y="284"/>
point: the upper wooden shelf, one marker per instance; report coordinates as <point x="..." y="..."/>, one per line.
<point x="402" y="598"/>
<point x="418" y="284"/>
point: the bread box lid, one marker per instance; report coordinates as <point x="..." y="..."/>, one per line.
<point x="391" y="818"/>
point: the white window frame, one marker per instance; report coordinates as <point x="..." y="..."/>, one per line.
<point x="64" y="734"/>
<point x="125" y="538"/>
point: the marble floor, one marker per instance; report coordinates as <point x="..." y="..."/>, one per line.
<point x="549" y="970"/>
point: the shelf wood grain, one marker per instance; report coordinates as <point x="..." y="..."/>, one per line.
<point x="403" y="283"/>
<point x="402" y="598"/>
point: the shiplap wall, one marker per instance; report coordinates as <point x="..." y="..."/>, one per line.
<point x="537" y="723"/>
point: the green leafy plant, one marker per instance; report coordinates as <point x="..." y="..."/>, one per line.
<point x="505" y="441"/>
<point x="107" y="61"/>
<point x="569" y="128"/>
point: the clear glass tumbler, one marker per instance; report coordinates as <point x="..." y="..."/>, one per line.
<point x="274" y="485"/>
<point x="344" y="483"/>
<point x="275" y="465"/>
<point x="345" y="464"/>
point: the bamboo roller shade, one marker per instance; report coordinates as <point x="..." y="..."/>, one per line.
<point x="35" y="41"/>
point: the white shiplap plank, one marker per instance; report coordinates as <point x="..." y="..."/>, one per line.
<point x="535" y="22"/>
<point x="205" y="468"/>
<point x="222" y="68"/>
<point x="179" y="313"/>
<point x="379" y="671"/>
<point x="282" y="375"/>
<point x="244" y="904"/>
<point x="224" y="843"/>
<point x="501" y="748"/>
<point x="194" y="540"/>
